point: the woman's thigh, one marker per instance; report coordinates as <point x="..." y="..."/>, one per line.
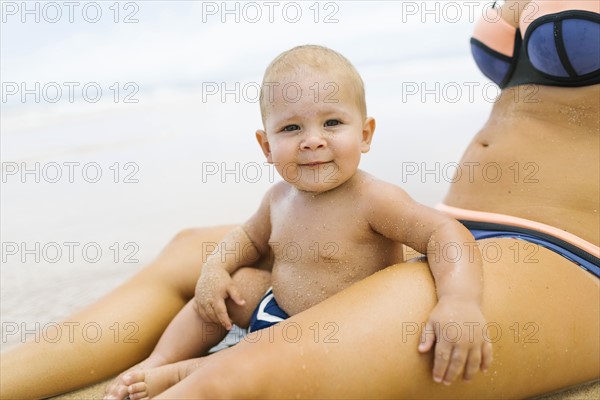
<point x="542" y="317"/>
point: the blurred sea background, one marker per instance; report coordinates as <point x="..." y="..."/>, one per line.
<point x="96" y="182"/>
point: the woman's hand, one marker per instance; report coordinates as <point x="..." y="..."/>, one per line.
<point x="456" y="326"/>
<point x="214" y="286"/>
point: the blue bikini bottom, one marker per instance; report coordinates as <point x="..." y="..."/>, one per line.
<point x="487" y="230"/>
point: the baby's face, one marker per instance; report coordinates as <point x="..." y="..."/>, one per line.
<point x="315" y="133"/>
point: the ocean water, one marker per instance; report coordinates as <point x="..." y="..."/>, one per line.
<point x="123" y="123"/>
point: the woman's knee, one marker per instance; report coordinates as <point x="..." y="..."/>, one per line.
<point x="186" y="234"/>
<point x="191" y="244"/>
<point x="209" y="235"/>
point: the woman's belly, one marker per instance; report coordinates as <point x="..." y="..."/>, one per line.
<point x="537" y="160"/>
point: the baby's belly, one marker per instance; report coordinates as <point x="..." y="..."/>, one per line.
<point x="297" y="287"/>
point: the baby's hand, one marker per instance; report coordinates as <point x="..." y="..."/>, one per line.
<point x="457" y="326"/>
<point x="214" y="286"/>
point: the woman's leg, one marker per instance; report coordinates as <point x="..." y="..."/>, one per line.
<point x="188" y="336"/>
<point x="142" y="308"/>
<point x="542" y="314"/>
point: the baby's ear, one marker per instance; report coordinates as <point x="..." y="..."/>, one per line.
<point x="261" y="138"/>
<point x="367" y="134"/>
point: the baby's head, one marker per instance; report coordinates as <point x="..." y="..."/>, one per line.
<point x="299" y="61"/>
<point x="315" y="118"/>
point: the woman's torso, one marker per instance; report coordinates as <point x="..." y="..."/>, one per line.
<point x="537" y="157"/>
<point x="545" y="143"/>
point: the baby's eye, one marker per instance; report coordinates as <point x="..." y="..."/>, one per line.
<point x="332" y="122"/>
<point x="290" y="128"/>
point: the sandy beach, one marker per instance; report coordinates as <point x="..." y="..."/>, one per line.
<point x="153" y="131"/>
<point x="95" y="190"/>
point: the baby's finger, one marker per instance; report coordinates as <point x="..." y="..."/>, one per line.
<point x="487" y="355"/>
<point x="197" y="307"/>
<point x="205" y="316"/>
<point x="443" y="351"/>
<point x="221" y="314"/>
<point x="457" y="365"/>
<point x="235" y="295"/>
<point x="473" y="364"/>
<point x="208" y="312"/>
<point x="427" y="338"/>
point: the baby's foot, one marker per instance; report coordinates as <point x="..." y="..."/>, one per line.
<point x="143" y="384"/>
<point x="118" y="388"/>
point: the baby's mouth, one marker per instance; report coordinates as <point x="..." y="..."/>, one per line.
<point x="314" y="163"/>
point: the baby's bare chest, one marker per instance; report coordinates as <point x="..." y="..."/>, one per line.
<point x="319" y="249"/>
<point x="320" y="233"/>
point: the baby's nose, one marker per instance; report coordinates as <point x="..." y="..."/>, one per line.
<point x="312" y="141"/>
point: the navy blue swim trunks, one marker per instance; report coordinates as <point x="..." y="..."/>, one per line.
<point x="267" y="313"/>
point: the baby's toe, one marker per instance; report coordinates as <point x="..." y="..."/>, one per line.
<point x="138" y="391"/>
<point x="116" y="392"/>
<point x="139" y="395"/>
<point x="134" y="377"/>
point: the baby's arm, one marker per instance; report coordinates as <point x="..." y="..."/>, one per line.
<point x="459" y="284"/>
<point x="458" y="281"/>
<point x="243" y="246"/>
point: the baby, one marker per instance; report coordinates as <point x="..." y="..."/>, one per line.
<point x="326" y="226"/>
